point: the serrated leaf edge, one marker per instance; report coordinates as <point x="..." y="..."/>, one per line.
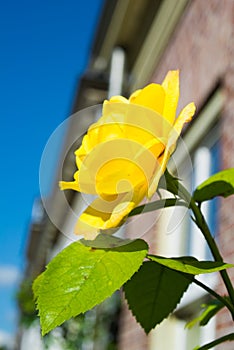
<point x="147" y="331"/>
<point x="40" y="277"/>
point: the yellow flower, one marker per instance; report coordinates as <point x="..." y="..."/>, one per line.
<point x="124" y="154"/>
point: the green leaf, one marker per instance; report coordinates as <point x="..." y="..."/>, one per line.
<point x="37" y="283"/>
<point x="80" y="277"/>
<point x="190" y="265"/>
<point x="209" y="310"/>
<point x="154" y="292"/>
<point x="105" y="241"/>
<point x="220" y="184"/>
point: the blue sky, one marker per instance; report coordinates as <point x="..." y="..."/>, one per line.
<point x="44" y="48"/>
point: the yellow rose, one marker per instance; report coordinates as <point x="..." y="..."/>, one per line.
<point x="124" y="154"/>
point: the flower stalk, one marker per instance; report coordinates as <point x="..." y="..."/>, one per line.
<point x="201" y="223"/>
<point x="215" y="295"/>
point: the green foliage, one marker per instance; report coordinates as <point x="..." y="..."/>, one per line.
<point x="190" y="265"/>
<point x="81" y="277"/>
<point x="220" y="184"/>
<point x="88" y="272"/>
<point x="154" y="292"/>
<point x="26" y="303"/>
<point x="209" y="310"/>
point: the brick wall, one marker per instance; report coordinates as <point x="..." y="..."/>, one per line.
<point x="131" y="335"/>
<point x="226" y="238"/>
<point x="202" y="48"/>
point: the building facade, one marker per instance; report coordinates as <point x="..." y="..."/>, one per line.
<point x="137" y="42"/>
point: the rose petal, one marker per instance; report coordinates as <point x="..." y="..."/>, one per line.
<point x="152" y="96"/>
<point x="171" y="88"/>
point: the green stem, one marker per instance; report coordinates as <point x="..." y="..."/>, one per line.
<point x="228" y="337"/>
<point x="201" y="223"/>
<point x="159" y="204"/>
<point x="214" y="294"/>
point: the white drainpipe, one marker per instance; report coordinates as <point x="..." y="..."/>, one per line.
<point x="116" y="72"/>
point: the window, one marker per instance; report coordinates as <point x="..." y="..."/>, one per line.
<point x="206" y="161"/>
